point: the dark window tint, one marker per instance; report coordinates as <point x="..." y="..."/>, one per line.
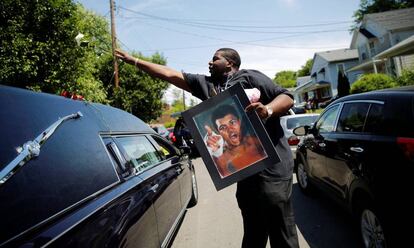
<point x="327" y="121"/>
<point x="352" y="118"/>
<point x="375" y="120"/>
<point x="139" y="152"/>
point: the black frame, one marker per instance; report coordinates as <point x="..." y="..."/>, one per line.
<point x="237" y="95"/>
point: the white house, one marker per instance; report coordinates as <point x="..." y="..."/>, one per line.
<point x="323" y="81"/>
<point x="377" y="40"/>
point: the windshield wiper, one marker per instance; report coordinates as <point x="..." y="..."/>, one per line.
<point x="31" y="148"/>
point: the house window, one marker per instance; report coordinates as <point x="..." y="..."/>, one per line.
<point x="372" y="48"/>
<point x="325" y="92"/>
<point x="341" y="68"/>
<point x="364" y="56"/>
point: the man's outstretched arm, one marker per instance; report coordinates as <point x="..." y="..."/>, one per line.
<point x="155" y="70"/>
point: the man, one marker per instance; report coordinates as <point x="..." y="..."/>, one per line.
<point x="232" y="150"/>
<point x="264" y="199"/>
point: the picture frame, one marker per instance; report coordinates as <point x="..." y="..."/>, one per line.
<point x="232" y="143"/>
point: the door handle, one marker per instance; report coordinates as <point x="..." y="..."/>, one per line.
<point x="356" y="149"/>
<point x="154" y="188"/>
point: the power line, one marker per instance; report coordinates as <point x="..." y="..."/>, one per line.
<point x="223" y="28"/>
<point x="230" y="42"/>
<point x="208" y="23"/>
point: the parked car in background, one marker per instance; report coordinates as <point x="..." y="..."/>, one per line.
<point x="360" y="152"/>
<point x="289" y="122"/>
<point x="161" y="130"/>
<point x="298" y="110"/>
<point x="171" y="136"/>
<point x="184" y="138"/>
<point x="80" y="174"/>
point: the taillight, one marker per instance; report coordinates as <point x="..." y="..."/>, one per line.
<point x="173" y="138"/>
<point x="407" y="145"/>
<point x="293" y="140"/>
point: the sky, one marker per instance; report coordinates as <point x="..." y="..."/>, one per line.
<point x="270" y="35"/>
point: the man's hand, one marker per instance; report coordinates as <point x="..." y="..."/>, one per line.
<point x="213" y="140"/>
<point x="125" y="57"/>
<point x="259" y="108"/>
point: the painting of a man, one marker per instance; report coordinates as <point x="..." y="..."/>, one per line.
<point x="231" y="143"/>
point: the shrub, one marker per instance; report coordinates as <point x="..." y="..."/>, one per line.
<point x="371" y="82"/>
<point x="407" y="78"/>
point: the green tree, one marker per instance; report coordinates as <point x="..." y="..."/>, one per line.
<point x="343" y="84"/>
<point x="369" y="82"/>
<point x="97" y="40"/>
<point x="38" y="50"/>
<point x="305" y="69"/>
<point x="286" y="79"/>
<point x="139" y="93"/>
<point x="375" y="6"/>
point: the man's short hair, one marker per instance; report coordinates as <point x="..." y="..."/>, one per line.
<point x="222" y="111"/>
<point x="231" y="55"/>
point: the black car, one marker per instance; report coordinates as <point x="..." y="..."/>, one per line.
<point x="80" y="174"/>
<point x="360" y="152"/>
<point x="183" y="137"/>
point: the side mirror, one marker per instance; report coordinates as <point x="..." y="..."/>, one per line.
<point x="302" y="130"/>
<point x="185" y="150"/>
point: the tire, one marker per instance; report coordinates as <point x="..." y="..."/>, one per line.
<point x="194" y="196"/>
<point x="371" y="228"/>
<point x="303" y="178"/>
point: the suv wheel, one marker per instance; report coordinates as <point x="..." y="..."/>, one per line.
<point x="194" y="196"/>
<point x="372" y="231"/>
<point x="302" y="177"/>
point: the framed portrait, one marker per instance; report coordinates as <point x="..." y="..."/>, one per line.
<point x="232" y="143"/>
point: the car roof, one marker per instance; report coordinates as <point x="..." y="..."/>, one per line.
<point x="26" y="114"/>
<point x="43" y="105"/>
<point x="379" y="94"/>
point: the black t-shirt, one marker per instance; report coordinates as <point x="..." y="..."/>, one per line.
<point x="203" y="87"/>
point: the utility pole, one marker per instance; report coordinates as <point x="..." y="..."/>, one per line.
<point x="184" y="98"/>
<point x="113" y="34"/>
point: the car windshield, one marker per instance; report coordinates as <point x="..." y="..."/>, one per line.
<point x="297" y="121"/>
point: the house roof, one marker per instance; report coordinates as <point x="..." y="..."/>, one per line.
<point x="393" y="19"/>
<point x="339" y="55"/>
<point x="302" y="80"/>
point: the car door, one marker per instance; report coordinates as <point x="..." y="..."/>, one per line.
<point x="182" y="165"/>
<point x="316" y="143"/>
<point x="347" y="146"/>
<point x="160" y="178"/>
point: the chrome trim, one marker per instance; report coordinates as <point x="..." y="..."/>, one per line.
<point x="109" y="157"/>
<point x="365" y="101"/>
<point x="102" y="205"/>
<point x="31" y="149"/>
<point x="57" y="214"/>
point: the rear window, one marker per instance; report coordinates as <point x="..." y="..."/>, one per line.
<point x="291" y="123"/>
<point x="352" y="118"/>
<point x="375" y="120"/>
<point x="139" y="152"/>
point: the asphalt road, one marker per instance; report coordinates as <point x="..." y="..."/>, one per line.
<point x="216" y="220"/>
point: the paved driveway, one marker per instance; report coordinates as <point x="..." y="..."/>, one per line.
<point x="216" y="221"/>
